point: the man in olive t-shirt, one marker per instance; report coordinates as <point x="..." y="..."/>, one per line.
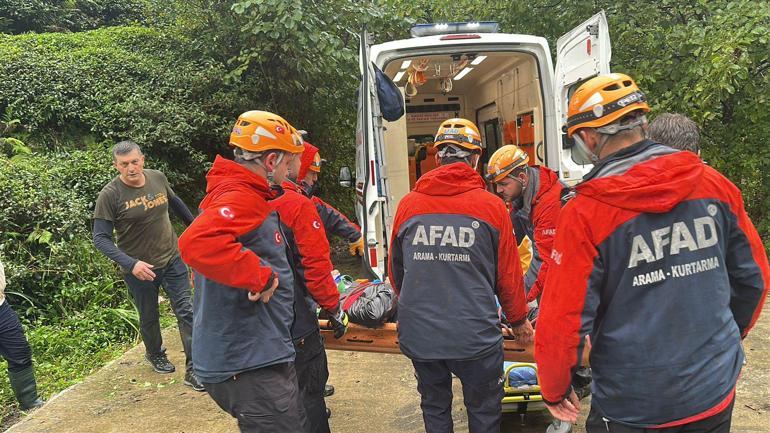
<point x="135" y="205"/>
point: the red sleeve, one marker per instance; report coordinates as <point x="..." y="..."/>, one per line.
<point x="563" y="319"/>
<point x="749" y="272"/>
<point x="313" y="247"/>
<point x="544" y="233"/>
<point x="510" y="282"/>
<point x="210" y="247"/>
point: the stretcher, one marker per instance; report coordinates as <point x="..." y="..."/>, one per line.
<point x="385" y="340"/>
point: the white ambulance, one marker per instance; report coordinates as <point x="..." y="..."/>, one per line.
<point x="505" y="83"/>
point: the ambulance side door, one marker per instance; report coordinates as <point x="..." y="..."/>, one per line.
<point x="369" y="202"/>
<point x="582" y="53"/>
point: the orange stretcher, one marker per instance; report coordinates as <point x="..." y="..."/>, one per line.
<point x="385" y="340"/>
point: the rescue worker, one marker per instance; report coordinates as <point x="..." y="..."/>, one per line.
<point x="657" y="262"/>
<point x="452" y="250"/>
<point x="244" y="285"/>
<point x="334" y="221"/>
<point x="675" y="130"/>
<point x="313" y="283"/>
<point x="534" y="194"/>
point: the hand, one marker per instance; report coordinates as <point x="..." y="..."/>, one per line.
<point x="523" y="333"/>
<point x="143" y="271"/>
<point x="339" y="322"/>
<point x="566" y="410"/>
<point x="265" y="294"/>
<point x="587" y="347"/>
<point x="357" y="248"/>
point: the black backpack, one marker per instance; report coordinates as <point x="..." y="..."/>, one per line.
<point x="391" y="99"/>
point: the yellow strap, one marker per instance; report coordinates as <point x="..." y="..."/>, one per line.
<point x="525" y="254"/>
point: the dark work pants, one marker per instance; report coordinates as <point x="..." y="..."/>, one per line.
<point x="719" y="423"/>
<point x="482" y="381"/>
<point x="176" y="283"/>
<point x="13" y="344"/>
<point x="265" y="400"/>
<point x="312" y="374"/>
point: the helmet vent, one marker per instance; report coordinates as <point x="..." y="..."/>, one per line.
<point x="613" y="86"/>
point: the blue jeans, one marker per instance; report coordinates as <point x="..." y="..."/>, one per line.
<point x="482" y="381"/>
<point x="13" y="344"/>
<point x="176" y="283"/>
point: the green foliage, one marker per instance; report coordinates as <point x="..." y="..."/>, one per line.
<point x="20" y="16"/>
<point x="46" y="223"/>
<point x="75" y="90"/>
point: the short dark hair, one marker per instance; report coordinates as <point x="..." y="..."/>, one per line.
<point x="124" y="148"/>
<point x="675" y="130"/>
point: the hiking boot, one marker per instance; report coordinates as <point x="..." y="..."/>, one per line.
<point x="328" y="390"/>
<point x="160" y="363"/>
<point x="25" y="388"/>
<point x="328" y="413"/>
<point x="191" y="380"/>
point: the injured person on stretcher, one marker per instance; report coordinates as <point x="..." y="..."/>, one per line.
<point x="371" y="308"/>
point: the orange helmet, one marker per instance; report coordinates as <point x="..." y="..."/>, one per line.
<point x="603" y="100"/>
<point x="460" y="132"/>
<point x="504" y="161"/>
<point x="316" y="164"/>
<point x="260" y="131"/>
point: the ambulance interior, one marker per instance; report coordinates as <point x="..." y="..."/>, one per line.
<point x="499" y="91"/>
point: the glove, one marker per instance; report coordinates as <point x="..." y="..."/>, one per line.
<point x="357" y="248"/>
<point x="339" y="323"/>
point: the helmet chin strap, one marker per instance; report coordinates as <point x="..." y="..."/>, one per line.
<point x="605" y="133"/>
<point x="585" y="150"/>
<point x="603" y="139"/>
<point x="523" y="184"/>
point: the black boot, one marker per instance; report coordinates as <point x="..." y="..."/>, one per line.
<point x="25" y="388"/>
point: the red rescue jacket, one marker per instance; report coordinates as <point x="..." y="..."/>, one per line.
<point x="541" y="210"/>
<point x="299" y="215"/>
<point x="657" y="261"/>
<point x="452" y="250"/>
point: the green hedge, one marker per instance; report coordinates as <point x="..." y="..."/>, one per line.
<point x="74" y="90"/>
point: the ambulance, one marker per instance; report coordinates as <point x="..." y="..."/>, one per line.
<point x="505" y="83"/>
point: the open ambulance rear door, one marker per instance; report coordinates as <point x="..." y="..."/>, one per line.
<point x="371" y="190"/>
<point x="583" y="53"/>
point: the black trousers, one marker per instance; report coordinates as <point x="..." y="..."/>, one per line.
<point x="176" y="283"/>
<point x="13" y="344"/>
<point x="719" y="423"/>
<point x="482" y="381"/>
<point x="265" y="400"/>
<point x="312" y="374"/>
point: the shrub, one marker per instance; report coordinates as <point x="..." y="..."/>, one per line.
<point x="70" y="91"/>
